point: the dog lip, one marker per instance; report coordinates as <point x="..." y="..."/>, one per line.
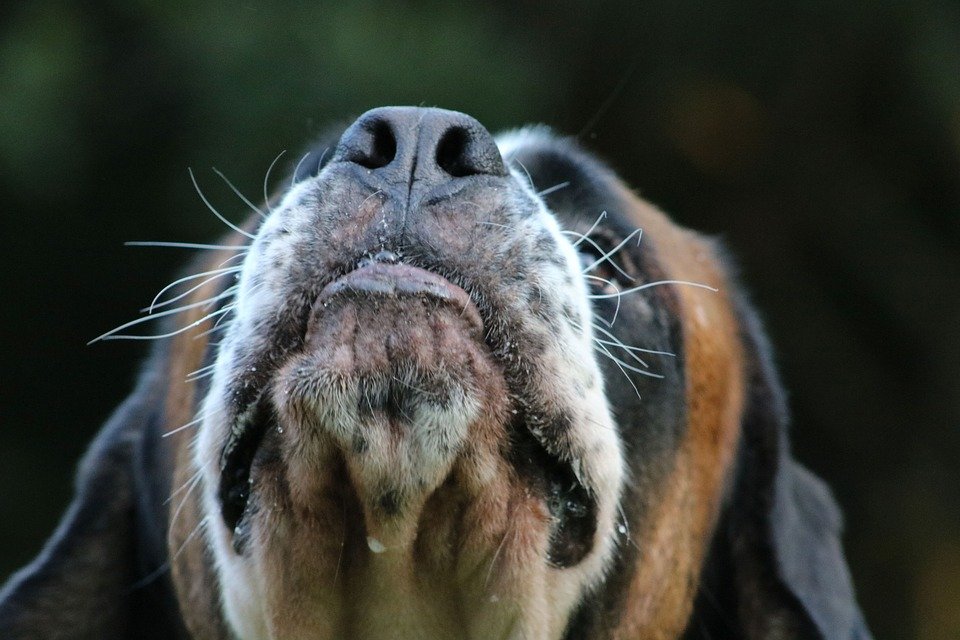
<point x="383" y="276"/>
<point x="397" y="280"/>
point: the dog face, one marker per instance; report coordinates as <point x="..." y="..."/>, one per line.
<point x="446" y="393"/>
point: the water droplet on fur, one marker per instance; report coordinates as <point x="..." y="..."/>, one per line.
<point x="622" y="529"/>
<point x="375" y="545"/>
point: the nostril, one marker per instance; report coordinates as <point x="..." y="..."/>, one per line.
<point x="466" y="149"/>
<point x="453" y="154"/>
<point x="376" y="147"/>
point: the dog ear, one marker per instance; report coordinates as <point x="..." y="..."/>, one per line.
<point x="805" y="529"/>
<point x="783" y="527"/>
<point x="84" y="583"/>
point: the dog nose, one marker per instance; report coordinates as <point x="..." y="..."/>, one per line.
<point x="420" y="147"/>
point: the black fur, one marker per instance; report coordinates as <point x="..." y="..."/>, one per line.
<point x="103" y="573"/>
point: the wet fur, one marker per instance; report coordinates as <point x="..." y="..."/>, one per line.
<point x="720" y="533"/>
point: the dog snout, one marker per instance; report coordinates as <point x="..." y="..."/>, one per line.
<point x="420" y="147"/>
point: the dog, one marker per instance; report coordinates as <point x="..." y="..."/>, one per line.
<point x="448" y="386"/>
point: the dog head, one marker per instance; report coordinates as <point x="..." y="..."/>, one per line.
<point x="442" y="390"/>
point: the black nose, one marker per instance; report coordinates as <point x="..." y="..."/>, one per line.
<point x="415" y="145"/>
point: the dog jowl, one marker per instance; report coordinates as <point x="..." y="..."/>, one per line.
<point x="446" y="392"/>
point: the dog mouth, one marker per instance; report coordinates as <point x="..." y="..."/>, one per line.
<point x="399" y="315"/>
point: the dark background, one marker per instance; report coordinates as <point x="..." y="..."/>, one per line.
<point x="820" y="140"/>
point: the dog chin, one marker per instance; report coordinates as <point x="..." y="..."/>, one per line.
<point x="393" y="376"/>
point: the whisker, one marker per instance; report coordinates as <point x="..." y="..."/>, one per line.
<point x="157" y="305"/>
<point x="182" y="427"/>
<point x="529" y="177"/>
<point x="556" y="187"/>
<point x="616" y="342"/>
<point x="600" y="249"/>
<point x="187" y="245"/>
<point x="619" y="365"/>
<point x="632" y="348"/>
<point x="216" y="325"/>
<point x="185" y="486"/>
<point x="201" y="372"/>
<point x="606" y="256"/>
<point x="372" y="195"/>
<point x="625" y="364"/>
<point x="632" y="355"/>
<point x="603" y="214"/>
<point x="238" y="193"/>
<point x="652" y="284"/>
<point x="238" y="256"/>
<point x="193" y="534"/>
<point x="213" y="209"/>
<point x="266" y="180"/>
<point x="194" y="481"/>
<point x="214" y="273"/>
<point x="165" y="566"/>
<point x="296" y="169"/>
<point x="153" y="316"/>
<point x="623" y="369"/>
<point x="610" y="283"/>
<point x="113" y="335"/>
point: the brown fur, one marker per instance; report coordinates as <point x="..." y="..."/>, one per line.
<point x="188" y="556"/>
<point x="675" y="539"/>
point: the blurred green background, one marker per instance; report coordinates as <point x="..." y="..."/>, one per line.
<point x="820" y="140"/>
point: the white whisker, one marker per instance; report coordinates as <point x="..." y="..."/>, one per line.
<point x="216" y="325"/>
<point x="631" y="348"/>
<point x="156" y="305"/>
<point x="610" y="283"/>
<point x="556" y="187"/>
<point x="635" y="357"/>
<point x="296" y="169"/>
<point x="603" y="214"/>
<point x="619" y="365"/>
<point x="213" y="209"/>
<point x="606" y="256"/>
<point x="214" y="273"/>
<point x="238" y="193"/>
<point x="372" y="195"/>
<point x="187" y="245"/>
<point x="202" y="372"/>
<point x="529" y="177"/>
<point x="652" y="284"/>
<point x="182" y="427"/>
<point x="266" y="180"/>
<point x="113" y="335"/>
<point x="625" y="364"/>
<point x="185" y="486"/>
